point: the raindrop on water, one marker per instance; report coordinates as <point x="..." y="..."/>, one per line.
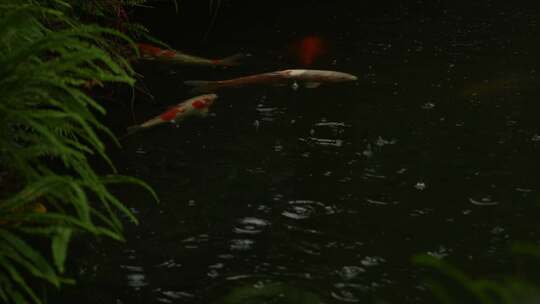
<point x="420" y="186"/>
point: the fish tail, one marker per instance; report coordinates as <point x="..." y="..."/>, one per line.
<point x="133" y="129"/>
<point x="233" y="60"/>
<point x="202" y="86"/>
<point x="130" y="130"/>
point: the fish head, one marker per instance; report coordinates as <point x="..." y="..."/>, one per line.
<point x="340" y="77"/>
<point x="322" y="76"/>
<point x="148" y="50"/>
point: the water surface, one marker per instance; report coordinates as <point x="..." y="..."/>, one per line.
<point x="331" y="191"/>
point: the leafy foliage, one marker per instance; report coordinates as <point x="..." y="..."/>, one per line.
<point x="451" y="285"/>
<point x="50" y="127"/>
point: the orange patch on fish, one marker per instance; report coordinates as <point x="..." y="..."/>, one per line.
<point x="199" y="104"/>
<point x="171" y="114"/>
<point x="149" y="49"/>
<point x="35" y="207"/>
<point x="167" y="53"/>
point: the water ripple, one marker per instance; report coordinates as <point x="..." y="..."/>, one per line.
<point x="136" y="278"/>
<point x="346" y="292"/>
<point x="171" y="263"/>
<point x="350" y="272"/>
<point x="194" y="242"/>
<point x="251" y="225"/>
<point x="268" y="113"/>
<point x="484" y="201"/>
<point x="303" y="209"/>
<point x="326" y="133"/>
<point x="241" y="244"/>
<point x="369" y="261"/>
<point x="171" y="296"/>
<point x="326" y="142"/>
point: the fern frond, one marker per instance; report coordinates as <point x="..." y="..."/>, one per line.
<point x="50" y="127"/>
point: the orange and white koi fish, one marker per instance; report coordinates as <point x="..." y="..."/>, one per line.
<point x="309" y="79"/>
<point x="150" y="52"/>
<point x="196" y="106"/>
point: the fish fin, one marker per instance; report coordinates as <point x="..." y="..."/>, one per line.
<point x="233" y="60"/>
<point x="312" y="85"/>
<point x="202" y="86"/>
<point x="203" y="112"/>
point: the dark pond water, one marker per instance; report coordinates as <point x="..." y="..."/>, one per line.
<point x="327" y="193"/>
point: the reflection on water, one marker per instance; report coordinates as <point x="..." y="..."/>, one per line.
<point x="323" y="195"/>
<point x="171" y="296"/>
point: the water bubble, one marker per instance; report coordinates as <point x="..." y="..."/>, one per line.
<point x="420" y="186"/>
<point x="428" y="106"/>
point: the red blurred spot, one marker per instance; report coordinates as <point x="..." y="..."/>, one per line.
<point x="308" y="49"/>
<point x="199" y="104"/>
<point x="171" y="114"/>
<point x="216" y="61"/>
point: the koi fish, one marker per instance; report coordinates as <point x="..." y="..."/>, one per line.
<point x="309" y="78"/>
<point x="196" y="106"/>
<point x="34" y="207"/>
<point x="308" y="49"/>
<point x="150" y="52"/>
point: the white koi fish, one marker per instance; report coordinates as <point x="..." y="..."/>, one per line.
<point x="196" y="106"/>
<point x="309" y="78"/>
